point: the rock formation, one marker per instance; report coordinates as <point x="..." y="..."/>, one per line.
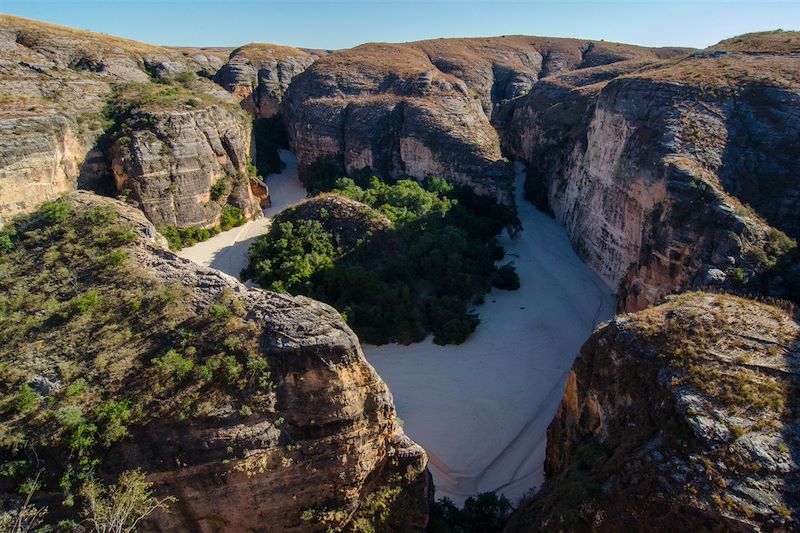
<point x="181" y="157"/>
<point x="423" y="108"/>
<point x="648" y="165"/>
<point x="55" y="84"/>
<point x="300" y="434"/>
<point x="679" y="417"/>
<point x="258" y="75"/>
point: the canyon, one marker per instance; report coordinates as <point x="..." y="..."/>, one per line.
<point x="669" y="170"/>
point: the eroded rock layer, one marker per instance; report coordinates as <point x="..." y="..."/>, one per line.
<point x="420" y="109"/>
<point x="279" y="424"/>
<point x="56" y="86"/>
<point x="679" y="417"/>
<point x="648" y="165"/>
<point x="258" y="75"/>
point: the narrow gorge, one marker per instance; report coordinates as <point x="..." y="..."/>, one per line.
<point x="483" y="210"/>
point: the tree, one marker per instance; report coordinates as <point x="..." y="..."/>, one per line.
<point x="120" y="508"/>
<point x="27" y="518"/>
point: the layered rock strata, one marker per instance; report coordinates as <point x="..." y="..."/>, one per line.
<point x="664" y="172"/>
<point x="682" y="416"/>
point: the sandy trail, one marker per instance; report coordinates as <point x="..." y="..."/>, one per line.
<point x="227" y="251"/>
<point x="481" y="409"/>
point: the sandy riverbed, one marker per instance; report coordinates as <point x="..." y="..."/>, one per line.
<point x="227" y="251"/>
<point x="480" y="409"/>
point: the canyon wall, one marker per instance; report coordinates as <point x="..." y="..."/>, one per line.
<point x="183" y="163"/>
<point x="57" y="119"/>
<point x="423" y="108"/>
<point x="258" y="75"/>
<point x="649" y="166"/>
<point x="682" y="416"/>
<point x="256" y="410"/>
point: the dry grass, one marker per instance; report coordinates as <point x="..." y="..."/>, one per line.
<point x="38" y="35"/>
<point x="767" y="42"/>
<point x="727" y="73"/>
<point x="733" y="350"/>
<point x="91" y="344"/>
<point x="258" y="52"/>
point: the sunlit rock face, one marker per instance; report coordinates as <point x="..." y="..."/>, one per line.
<point x="423" y="108"/>
<point x="258" y="75"/>
<point x="649" y="166"/>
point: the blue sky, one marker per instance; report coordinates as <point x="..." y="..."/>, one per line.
<point x="341" y="24"/>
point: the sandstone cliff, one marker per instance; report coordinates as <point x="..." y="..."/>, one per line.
<point x="55" y="84"/>
<point x="648" y="165"/>
<point x="680" y="417"/>
<point x="180" y="155"/>
<point x="423" y="108"/>
<point x="256" y="410"/>
<point x="258" y="75"/>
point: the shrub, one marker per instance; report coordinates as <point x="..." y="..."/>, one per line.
<point x="173" y="364"/>
<point x="26" y="400"/>
<point x="7" y="237"/>
<point x="219" y="189"/>
<point x="115" y="414"/>
<point x="120" y="507"/>
<point x="218" y="311"/>
<point x="231" y="217"/>
<point x="506" y="278"/>
<point x="55" y="212"/>
<point x="85" y="302"/>
<point x="737" y="275"/>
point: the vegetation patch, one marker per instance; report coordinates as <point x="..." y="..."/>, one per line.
<point x="92" y="346"/>
<point x="484" y="513"/>
<point x="230" y="217"/>
<point x="417" y="275"/>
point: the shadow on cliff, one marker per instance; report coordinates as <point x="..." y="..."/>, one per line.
<point x="791" y="427"/>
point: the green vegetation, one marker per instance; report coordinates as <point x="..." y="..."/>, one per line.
<point x="91" y="348"/>
<point x="484" y="513"/>
<point x="120" y="507"/>
<point x="131" y="102"/>
<point x="178" y="238"/>
<point x="418" y="276"/>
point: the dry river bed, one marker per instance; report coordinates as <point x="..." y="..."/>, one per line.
<point x="480" y="409"/>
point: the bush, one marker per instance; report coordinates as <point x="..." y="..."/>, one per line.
<point x="484" y="513"/>
<point x="120" y="508"/>
<point x="26" y="400"/>
<point x="231" y="217"/>
<point x="173" y="364"/>
<point x="83" y="303"/>
<point x="55" y="212"/>
<point x="506" y="278"/>
<point x="417" y="277"/>
<point x="219" y="189"/>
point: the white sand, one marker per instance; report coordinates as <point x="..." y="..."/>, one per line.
<point x="227" y="251"/>
<point x="481" y="409"/>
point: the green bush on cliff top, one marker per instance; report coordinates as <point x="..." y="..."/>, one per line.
<point x="93" y="346"/>
<point x="416" y="277"/>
